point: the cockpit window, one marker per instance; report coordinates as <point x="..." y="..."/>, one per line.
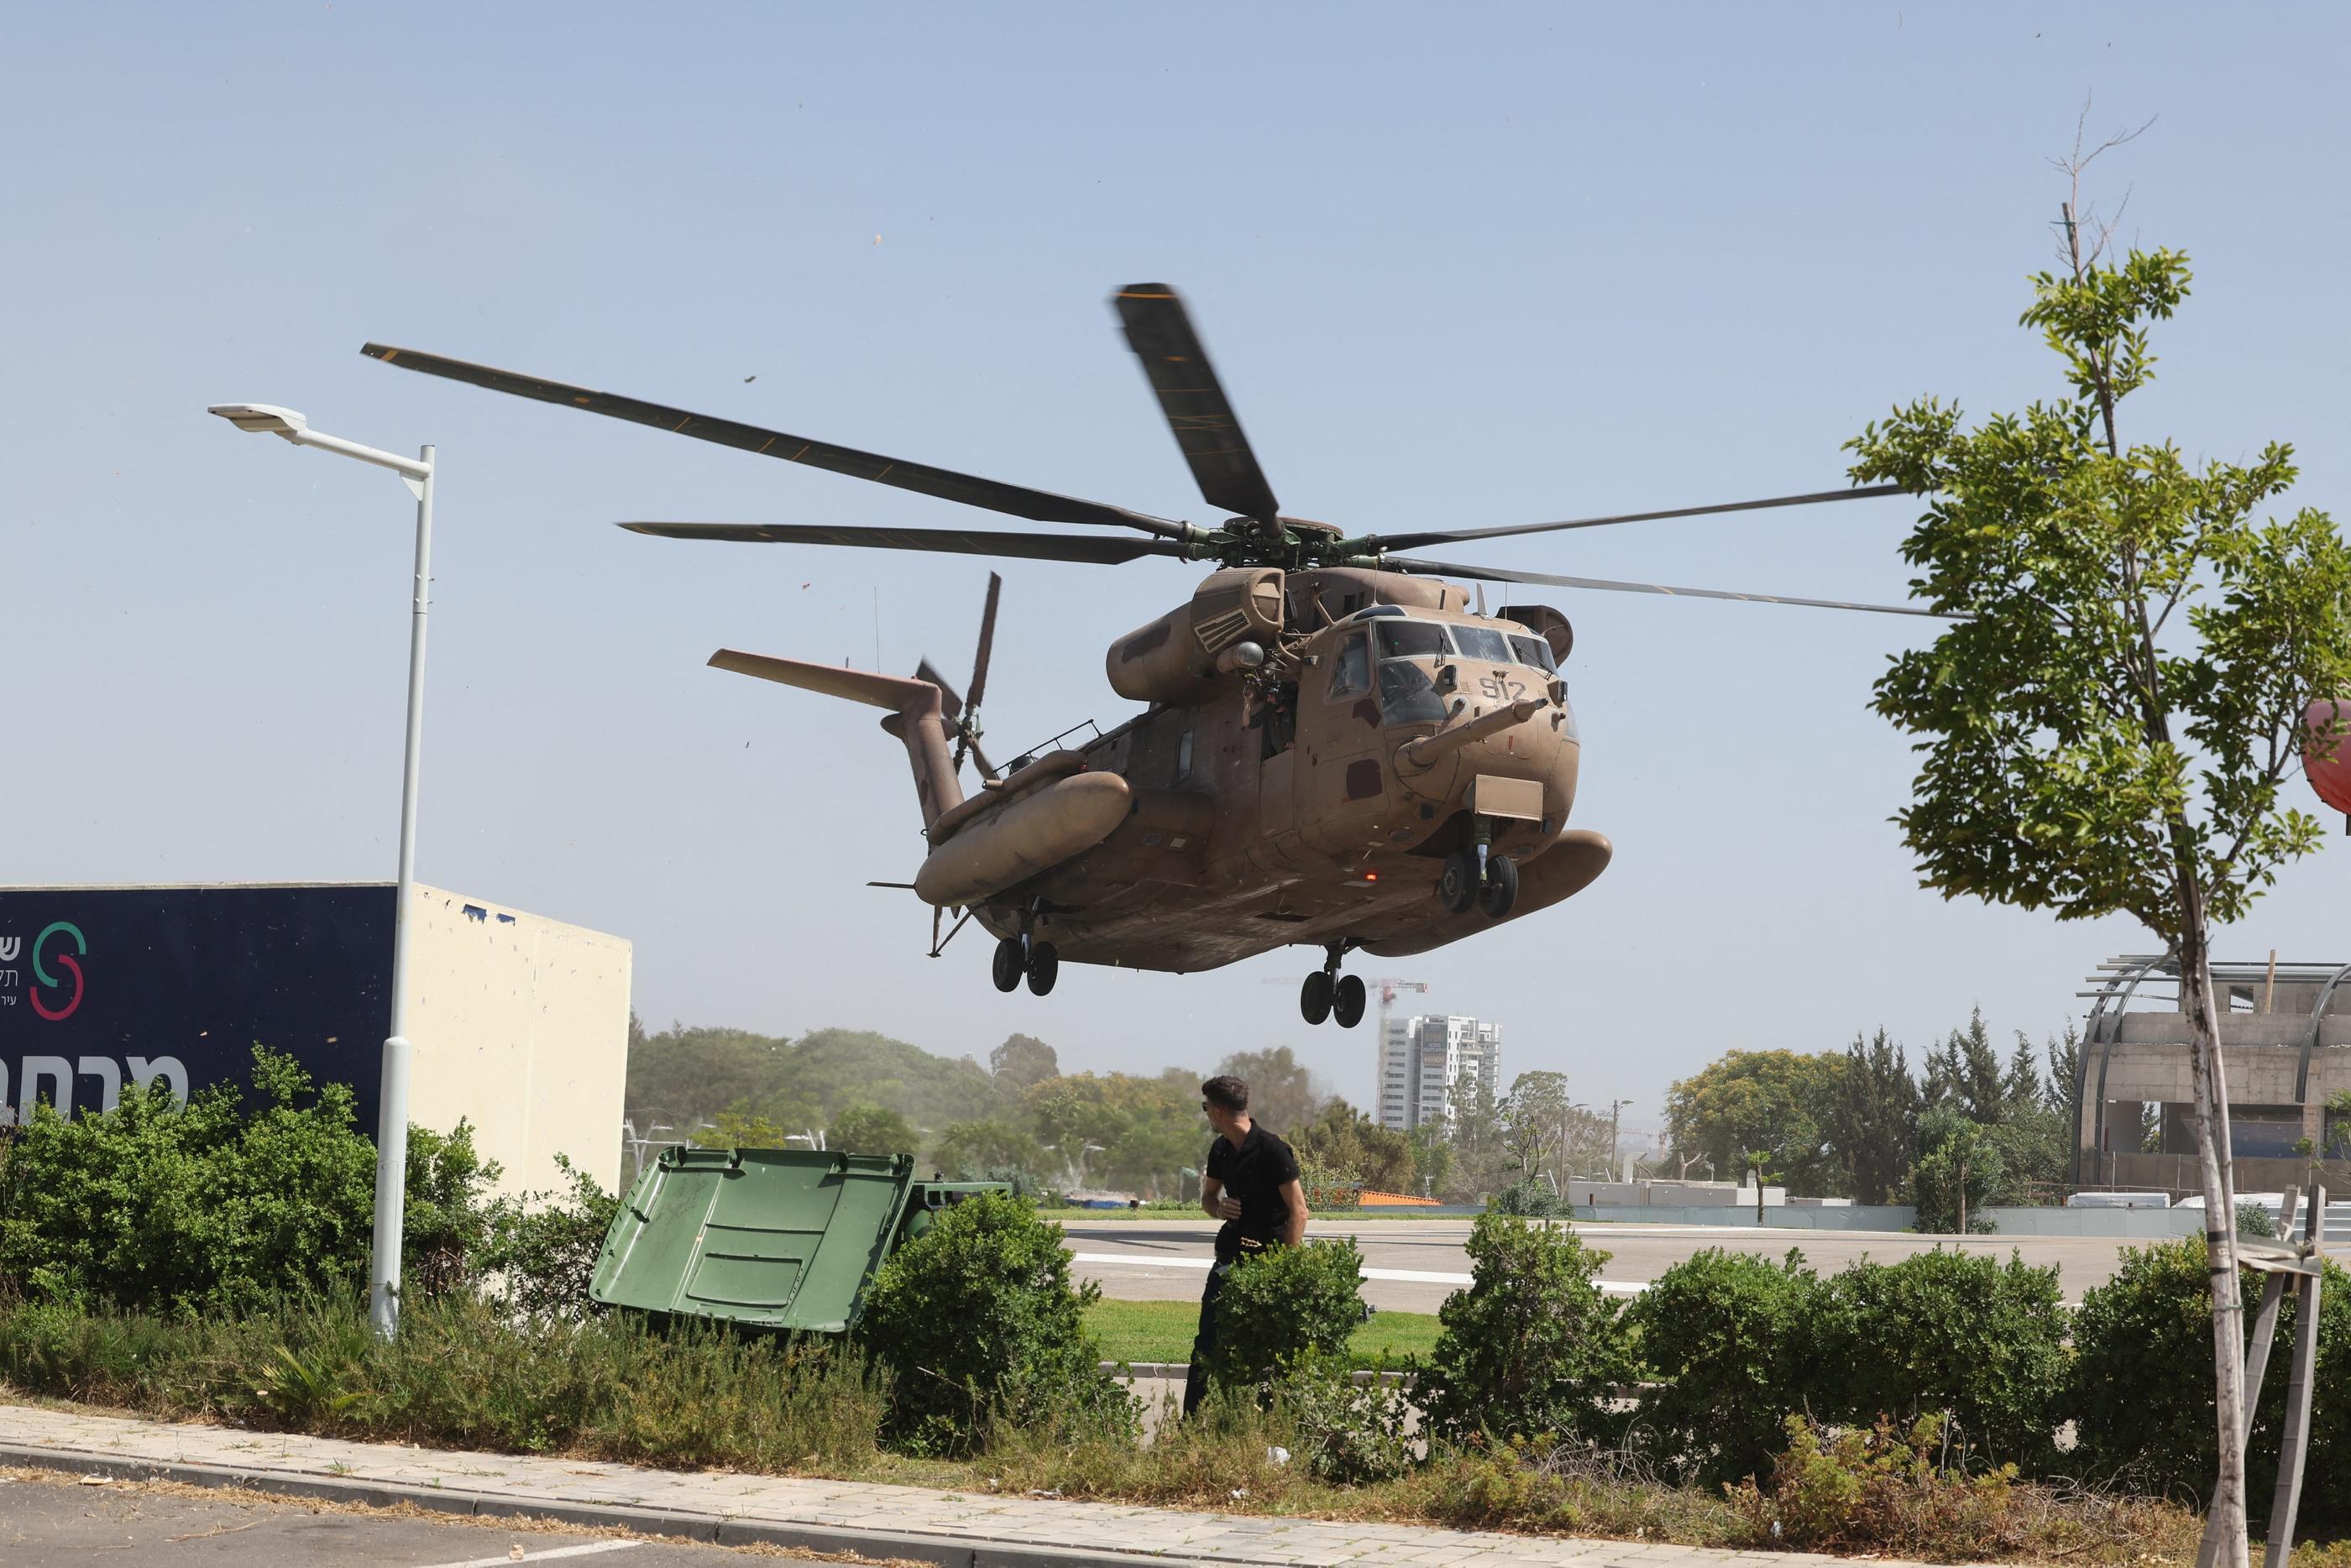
<point x="1482" y="642"/>
<point x="1410" y="640"/>
<point x="1407" y="695"/>
<point x="1350" y="672"/>
<point x="1533" y="650"/>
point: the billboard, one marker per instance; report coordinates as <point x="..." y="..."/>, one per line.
<point x="104" y="988"/>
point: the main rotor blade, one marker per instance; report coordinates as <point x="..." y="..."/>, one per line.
<point x="1019" y="501"/>
<point x="954" y="541"/>
<point x="1498" y="575"/>
<point x="1159" y="330"/>
<point x="1372" y="544"/>
<point x="986" y="640"/>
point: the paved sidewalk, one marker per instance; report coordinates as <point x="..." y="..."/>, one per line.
<point x="947" y="1529"/>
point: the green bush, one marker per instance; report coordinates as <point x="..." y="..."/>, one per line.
<point x="1951" y="1333"/>
<point x="542" y="1247"/>
<point x="1727" y="1342"/>
<point x="2140" y="1392"/>
<point x="1345" y="1432"/>
<point x="977" y="1324"/>
<point x="445" y="1214"/>
<point x="1529" y="1196"/>
<point x="463" y="1374"/>
<point x="1284" y="1303"/>
<point x="154" y="1206"/>
<point x="1532" y="1347"/>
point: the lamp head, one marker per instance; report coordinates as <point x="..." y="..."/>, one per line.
<point x="263" y="417"/>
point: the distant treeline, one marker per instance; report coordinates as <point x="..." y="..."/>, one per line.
<point x="1017" y="1116"/>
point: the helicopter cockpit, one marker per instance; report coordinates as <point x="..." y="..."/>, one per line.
<point x="1415" y="662"/>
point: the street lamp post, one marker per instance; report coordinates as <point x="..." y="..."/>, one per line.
<point x="392" y="1115"/>
<point x="1616" y="1110"/>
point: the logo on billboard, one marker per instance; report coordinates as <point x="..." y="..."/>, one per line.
<point x="44" y="954"/>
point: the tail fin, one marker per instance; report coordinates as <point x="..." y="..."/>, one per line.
<point x="915" y="715"/>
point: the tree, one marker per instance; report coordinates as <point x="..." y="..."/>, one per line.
<point x="1281" y="1091"/>
<point x="1775" y="1100"/>
<point x="1960" y="1172"/>
<point x="1966" y="1071"/>
<point x="1432" y="1157"/>
<point x="985" y="1151"/>
<point x="2064" y="1090"/>
<point x="1346" y="1142"/>
<point x="2108" y="719"/>
<point x="1117" y="1129"/>
<point x="1872" y="1120"/>
<point x="870" y="1130"/>
<point x="1534" y="1120"/>
<point x="1474" y="1164"/>
<point x="1023" y="1060"/>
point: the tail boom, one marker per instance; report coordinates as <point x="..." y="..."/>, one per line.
<point x="917" y="715"/>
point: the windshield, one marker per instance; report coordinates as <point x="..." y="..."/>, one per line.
<point x="1411" y="639"/>
<point x="1533" y="650"/>
<point x="1406" y="694"/>
<point x="1482" y="642"/>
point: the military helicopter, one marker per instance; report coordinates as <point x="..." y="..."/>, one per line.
<point x="1334" y="750"/>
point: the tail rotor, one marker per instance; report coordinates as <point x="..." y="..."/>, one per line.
<point x="964" y="712"/>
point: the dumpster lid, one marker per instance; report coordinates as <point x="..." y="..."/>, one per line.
<point x="780" y="1238"/>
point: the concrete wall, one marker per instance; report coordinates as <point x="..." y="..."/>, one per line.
<point x="1776" y="1217"/>
<point x="520" y="1026"/>
<point x="2127" y="1223"/>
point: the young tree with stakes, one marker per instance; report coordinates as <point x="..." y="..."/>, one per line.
<point x="2108" y="722"/>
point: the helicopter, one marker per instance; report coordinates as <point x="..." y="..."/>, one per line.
<point x="1336" y="748"/>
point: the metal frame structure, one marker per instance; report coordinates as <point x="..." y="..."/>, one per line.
<point x="2117" y="983"/>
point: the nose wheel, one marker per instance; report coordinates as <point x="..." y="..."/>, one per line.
<point x="1473" y="877"/>
<point x="1329" y="994"/>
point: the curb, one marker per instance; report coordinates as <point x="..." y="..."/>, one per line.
<point x="1177" y="1371"/>
<point x="942" y="1551"/>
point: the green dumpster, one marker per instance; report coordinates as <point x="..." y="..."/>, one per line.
<point x="776" y="1238"/>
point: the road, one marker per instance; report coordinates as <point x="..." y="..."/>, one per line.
<point x="48" y="1519"/>
<point x="1414" y="1264"/>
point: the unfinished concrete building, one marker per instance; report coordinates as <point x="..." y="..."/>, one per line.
<point x="2283" y="1039"/>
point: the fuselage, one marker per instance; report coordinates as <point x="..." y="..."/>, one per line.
<point x="1313" y="817"/>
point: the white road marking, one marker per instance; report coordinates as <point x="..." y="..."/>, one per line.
<point x="501" y="1561"/>
<point x="1408" y="1276"/>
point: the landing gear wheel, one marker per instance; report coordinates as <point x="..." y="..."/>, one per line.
<point x="1457" y="884"/>
<point x="1500" y="894"/>
<point x="1044" y="967"/>
<point x="1006" y="966"/>
<point x="1347" y="1002"/>
<point x="1314" y="997"/>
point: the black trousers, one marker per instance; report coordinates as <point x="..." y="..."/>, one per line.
<point x="1228" y="1253"/>
<point x="1195" y="1379"/>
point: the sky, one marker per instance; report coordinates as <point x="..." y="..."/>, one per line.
<point x="1457" y="267"/>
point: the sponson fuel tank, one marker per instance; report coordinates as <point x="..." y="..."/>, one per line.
<point x="1033" y="834"/>
<point x="1173" y="659"/>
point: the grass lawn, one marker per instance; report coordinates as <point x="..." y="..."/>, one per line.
<point x="1162" y="1331"/>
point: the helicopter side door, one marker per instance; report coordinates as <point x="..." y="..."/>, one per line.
<point x="1342" y="789"/>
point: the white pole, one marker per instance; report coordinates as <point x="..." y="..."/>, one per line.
<point x="391" y="1118"/>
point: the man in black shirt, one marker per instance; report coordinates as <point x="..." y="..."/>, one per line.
<point x="1251" y="1182"/>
